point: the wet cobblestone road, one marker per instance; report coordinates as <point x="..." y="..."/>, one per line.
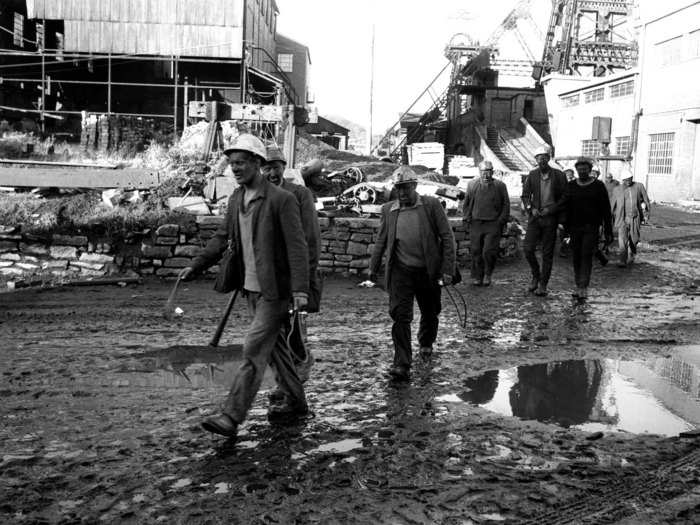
<point x="102" y="399"/>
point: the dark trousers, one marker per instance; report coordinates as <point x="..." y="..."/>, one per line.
<point x="584" y="243"/>
<point x="540" y="230"/>
<point x="261" y="347"/>
<point x="406" y="283"/>
<point x="485" y="238"/>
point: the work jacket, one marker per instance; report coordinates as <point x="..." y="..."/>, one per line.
<point x="281" y="254"/>
<point x="309" y="221"/>
<point x="531" y="192"/>
<point x="638" y="197"/>
<point x="435" y="233"/>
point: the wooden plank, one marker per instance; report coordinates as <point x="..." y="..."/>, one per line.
<point x="78" y="178"/>
<point x="48" y="163"/>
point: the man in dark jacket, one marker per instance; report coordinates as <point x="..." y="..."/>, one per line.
<point x="544" y="195"/>
<point x="274" y="171"/>
<point x="270" y="267"/>
<point x="420" y="255"/>
<point x="486" y="210"/>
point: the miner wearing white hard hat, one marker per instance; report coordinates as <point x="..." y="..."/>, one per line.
<point x="267" y="262"/>
<point x="486" y="210"/>
<point x="630" y="203"/>
<point x="543" y="197"/>
<point x="274" y="171"/>
<point x="587" y="210"/>
<point x="420" y="256"/>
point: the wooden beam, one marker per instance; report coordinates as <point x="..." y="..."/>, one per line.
<point x="56" y="164"/>
<point x="78" y="178"/>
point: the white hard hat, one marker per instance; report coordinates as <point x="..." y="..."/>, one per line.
<point x="485" y="165"/>
<point x="403" y="174"/>
<point x="626" y="173"/>
<point x="249" y="143"/>
<point x="543" y="150"/>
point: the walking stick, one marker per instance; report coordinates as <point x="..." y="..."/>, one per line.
<point x="222" y="323"/>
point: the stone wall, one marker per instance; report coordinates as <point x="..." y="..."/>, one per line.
<point x="346" y="247"/>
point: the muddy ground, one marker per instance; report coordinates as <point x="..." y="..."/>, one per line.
<point x="101" y="400"/>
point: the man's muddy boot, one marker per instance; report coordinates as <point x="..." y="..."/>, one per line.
<point x="541" y="290"/>
<point x="287" y="411"/>
<point x="425" y="352"/>
<point x="533" y="284"/>
<point x="399" y="373"/>
<point x="221" y="424"/>
<point x="487" y="280"/>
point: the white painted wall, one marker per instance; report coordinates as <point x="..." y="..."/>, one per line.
<point x="670" y="95"/>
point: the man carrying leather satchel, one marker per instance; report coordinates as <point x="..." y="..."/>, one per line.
<point x="274" y="172"/>
<point x="270" y="266"/>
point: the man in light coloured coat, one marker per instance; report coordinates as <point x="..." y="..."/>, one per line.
<point x="630" y="201"/>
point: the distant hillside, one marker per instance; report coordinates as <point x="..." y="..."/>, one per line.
<point x="358" y="133"/>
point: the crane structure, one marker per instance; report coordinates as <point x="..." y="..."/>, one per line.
<point x="585" y="34"/>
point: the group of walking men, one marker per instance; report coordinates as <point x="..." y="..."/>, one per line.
<point x="272" y="235"/>
<point x="581" y="206"/>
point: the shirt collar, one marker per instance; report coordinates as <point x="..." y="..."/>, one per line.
<point x="396" y="205"/>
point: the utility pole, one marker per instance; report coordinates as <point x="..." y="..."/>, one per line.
<point x="244" y="72"/>
<point x="371" y="97"/>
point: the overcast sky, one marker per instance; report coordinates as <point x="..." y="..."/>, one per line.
<point x="411" y="36"/>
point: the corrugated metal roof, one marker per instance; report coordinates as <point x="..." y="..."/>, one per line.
<point x="207" y="28"/>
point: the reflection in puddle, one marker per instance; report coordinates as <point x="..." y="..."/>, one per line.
<point x="183" y="366"/>
<point x="656" y="395"/>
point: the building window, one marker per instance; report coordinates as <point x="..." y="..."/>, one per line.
<point x="570" y="100"/>
<point x="590" y="148"/>
<point x="18" y="33"/>
<point x="286" y="62"/>
<point x="669" y="51"/>
<point x="594" y="95"/>
<point x="694" y="44"/>
<point x="661" y="153"/>
<point x="622" y="145"/>
<point x="623" y="89"/>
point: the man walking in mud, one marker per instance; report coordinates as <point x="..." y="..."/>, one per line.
<point x="420" y="255"/>
<point x="274" y="171"/>
<point x="629" y="203"/>
<point x="544" y="194"/>
<point x="270" y="268"/>
<point x="486" y="210"/>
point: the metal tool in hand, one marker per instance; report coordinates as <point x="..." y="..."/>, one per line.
<point x="462" y="318"/>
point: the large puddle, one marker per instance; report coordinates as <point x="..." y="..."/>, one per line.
<point x="183" y="366"/>
<point x="655" y="395"/>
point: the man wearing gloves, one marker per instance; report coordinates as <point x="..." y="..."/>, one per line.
<point x="270" y="268"/>
<point x="420" y="255"/>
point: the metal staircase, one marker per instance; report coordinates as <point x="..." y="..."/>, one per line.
<point x="502" y="150"/>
